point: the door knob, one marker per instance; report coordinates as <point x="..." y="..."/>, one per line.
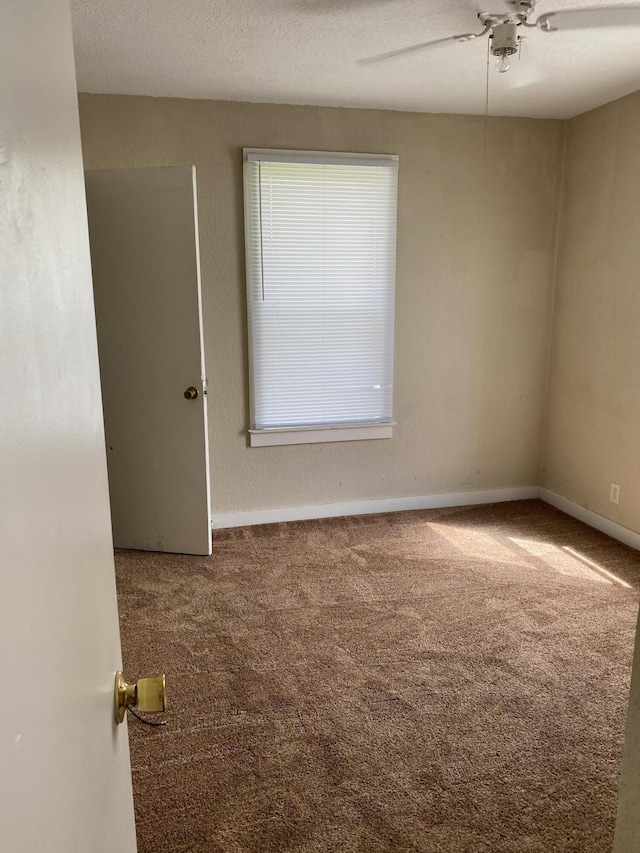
<point x="147" y="694"/>
<point x="191" y="393"/>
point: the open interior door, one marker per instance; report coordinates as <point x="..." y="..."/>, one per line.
<point x="143" y="230"/>
<point x="627" y="836"/>
<point x="65" y="783"/>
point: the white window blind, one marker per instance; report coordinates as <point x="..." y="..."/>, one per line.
<point x="320" y="246"/>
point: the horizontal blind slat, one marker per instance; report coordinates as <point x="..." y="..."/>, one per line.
<point x="320" y="287"/>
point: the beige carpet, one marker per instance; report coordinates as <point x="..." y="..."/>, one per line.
<point x="449" y="680"/>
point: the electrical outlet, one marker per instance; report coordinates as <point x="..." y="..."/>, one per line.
<point x="614" y="496"/>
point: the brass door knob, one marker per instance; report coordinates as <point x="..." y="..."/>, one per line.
<point x="191" y="393"/>
<point x="147" y="694"/>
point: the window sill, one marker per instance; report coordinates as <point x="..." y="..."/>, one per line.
<point x="316" y="435"/>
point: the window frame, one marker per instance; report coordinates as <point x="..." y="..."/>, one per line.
<point x="313" y="433"/>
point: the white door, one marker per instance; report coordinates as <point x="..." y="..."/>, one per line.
<point x="143" y="229"/>
<point x="627" y="837"/>
<point x="65" y="783"/>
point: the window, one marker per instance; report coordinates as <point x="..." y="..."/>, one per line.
<point x="320" y="245"/>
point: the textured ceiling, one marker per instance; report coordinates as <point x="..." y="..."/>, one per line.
<point x="306" y="52"/>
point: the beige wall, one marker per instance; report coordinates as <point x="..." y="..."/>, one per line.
<point x="593" y="421"/>
<point x="593" y="406"/>
<point x="476" y="231"/>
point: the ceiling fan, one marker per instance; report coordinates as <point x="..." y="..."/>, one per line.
<point x="504" y="28"/>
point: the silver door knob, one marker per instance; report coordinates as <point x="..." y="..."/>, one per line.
<point x="191" y="393"/>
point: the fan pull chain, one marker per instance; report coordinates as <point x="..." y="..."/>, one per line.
<point x="486" y="102"/>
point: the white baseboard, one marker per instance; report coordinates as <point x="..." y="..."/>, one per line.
<point x="486" y="496"/>
<point x="303" y="513"/>
<point x="604" y="525"/>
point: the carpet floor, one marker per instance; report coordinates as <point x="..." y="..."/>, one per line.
<point x="447" y="681"/>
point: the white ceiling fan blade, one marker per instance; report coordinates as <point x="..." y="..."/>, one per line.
<point x="505" y="6"/>
<point x="391" y="54"/>
<point x="380" y="57"/>
<point x="577" y="19"/>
